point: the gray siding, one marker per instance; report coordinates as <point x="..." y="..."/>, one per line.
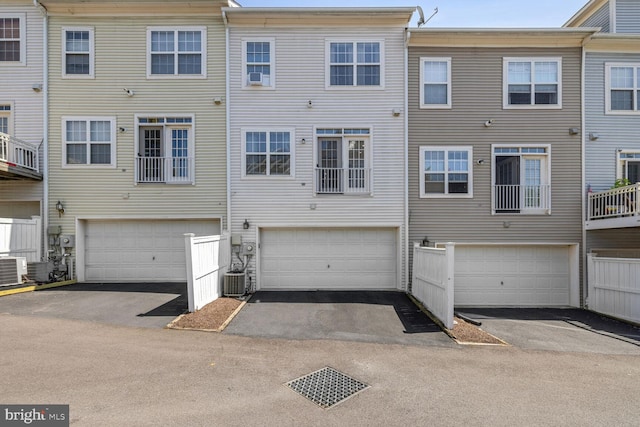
<point x="623" y="238"/>
<point x="120" y="62"/>
<point x="616" y="131"/>
<point x="600" y="18"/>
<point x="628" y="16"/>
<point x="477" y="97"/>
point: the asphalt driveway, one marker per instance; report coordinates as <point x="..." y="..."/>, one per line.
<point x="147" y="305"/>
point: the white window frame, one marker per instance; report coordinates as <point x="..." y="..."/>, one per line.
<point x="7" y="114"/>
<point x="23" y="39"/>
<point x="448" y="104"/>
<point x="292" y="146"/>
<point x="88" y="120"/>
<point x="166" y="140"/>
<point x="546" y="178"/>
<point x="636" y="88"/>
<point x="620" y="162"/>
<point x="271" y="85"/>
<point x="532" y="105"/>
<point x="91" y="53"/>
<point x="446" y="194"/>
<point x="355" y="85"/>
<point x="175" y="75"/>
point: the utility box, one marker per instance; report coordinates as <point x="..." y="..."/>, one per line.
<point x="67" y="241"/>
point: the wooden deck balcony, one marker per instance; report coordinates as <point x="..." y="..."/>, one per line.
<point x="19" y="159"/>
<point x="615" y="208"/>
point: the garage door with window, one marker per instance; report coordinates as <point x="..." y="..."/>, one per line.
<point x="328" y="258"/>
<point x="140" y="250"/>
<point x="512" y="275"/>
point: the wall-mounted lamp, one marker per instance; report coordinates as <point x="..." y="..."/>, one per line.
<point x="488" y="123"/>
<point x="594" y="136"/>
<point x="37" y="87"/>
<point x="480" y="161"/>
<point x="309" y="104"/>
<point x="122" y="129"/>
<point x="217" y="100"/>
<point x="303" y="141"/>
<point x="245" y="224"/>
<point x="129" y="92"/>
<point x="506" y="224"/>
<point x="396" y="112"/>
<point x="573" y="131"/>
<point x="425" y="241"/>
<point x="60" y="208"/>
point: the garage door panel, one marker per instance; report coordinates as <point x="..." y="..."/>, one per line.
<point x="512" y="275"/>
<point x="328" y="258"/>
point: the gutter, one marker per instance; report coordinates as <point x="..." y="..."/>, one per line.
<point x="227" y="119"/>
<point x="583" y="190"/>
<point x="407" y="247"/>
<point x="45" y="123"/>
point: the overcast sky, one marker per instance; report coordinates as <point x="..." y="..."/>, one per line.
<point x="460" y="13"/>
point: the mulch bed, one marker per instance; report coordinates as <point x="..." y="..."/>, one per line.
<point x="212" y="317"/>
<point x="467" y="333"/>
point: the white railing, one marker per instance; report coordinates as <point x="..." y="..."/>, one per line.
<point x="164" y="169"/>
<point x="521" y="198"/>
<point x="18" y="153"/>
<point x="614" y="286"/>
<point x="433" y="280"/>
<point x="208" y="259"/>
<point x="615" y="203"/>
<point x="21" y="237"/>
<point x="343" y="180"/>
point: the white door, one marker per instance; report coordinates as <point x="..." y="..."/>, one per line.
<point x="328" y="258"/>
<point x="140" y="250"/>
<point x="512" y="275"/>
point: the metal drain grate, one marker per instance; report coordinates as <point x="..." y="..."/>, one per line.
<point x="326" y="387"/>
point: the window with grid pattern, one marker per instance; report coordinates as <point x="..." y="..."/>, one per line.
<point x="89" y="141"/>
<point x="532" y="82"/>
<point x="78" y="52"/>
<point x="355" y="63"/>
<point x="446" y="171"/>
<point x="176" y="52"/>
<point x="435" y="90"/>
<point x="268" y="153"/>
<point x="12" y="33"/>
<point x="623" y="88"/>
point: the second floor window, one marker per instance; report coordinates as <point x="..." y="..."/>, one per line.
<point x="12" y="45"/>
<point x="445" y="172"/>
<point x="176" y="52"/>
<point x="623" y="88"/>
<point x="355" y="64"/>
<point x="89" y="141"/>
<point x="258" y="63"/>
<point x="435" y="89"/>
<point x="78" y="52"/>
<point x="268" y="153"/>
<point x="532" y="83"/>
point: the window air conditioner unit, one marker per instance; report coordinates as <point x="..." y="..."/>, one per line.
<point x="234" y="284"/>
<point x="11" y="270"/>
<point x="255" y="79"/>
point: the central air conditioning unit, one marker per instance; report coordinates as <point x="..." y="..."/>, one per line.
<point x="234" y="284"/>
<point x="11" y="270"/>
<point x="39" y="271"/>
<point x="255" y="78"/>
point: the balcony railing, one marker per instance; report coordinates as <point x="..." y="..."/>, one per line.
<point x="615" y="203"/>
<point x="20" y="153"/>
<point x="343" y="180"/>
<point x="164" y="170"/>
<point x="521" y="198"/>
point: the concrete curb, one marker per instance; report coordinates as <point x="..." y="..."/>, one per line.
<point x="32" y="288"/>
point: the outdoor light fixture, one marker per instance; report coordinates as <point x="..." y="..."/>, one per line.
<point x="593" y="136"/>
<point x="245" y="224"/>
<point x="573" y="131"/>
<point x="60" y="208"/>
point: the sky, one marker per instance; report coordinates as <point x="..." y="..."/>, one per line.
<point x="460" y="13"/>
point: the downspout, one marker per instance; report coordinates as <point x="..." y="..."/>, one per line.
<point x="583" y="249"/>
<point x="227" y="120"/>
<point x="45" y="123"/>
<point x="407" y="246"/>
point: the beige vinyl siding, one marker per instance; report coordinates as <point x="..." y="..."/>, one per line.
<point x="16" y="83"/>
<point x="120" y="62"/>
<point x="477" y="97"/>
<point x="616" y="131"/>
<point x="299" y="78"/>
<point x="600" y="18"/>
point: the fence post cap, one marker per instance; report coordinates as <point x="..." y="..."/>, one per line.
<point x="189" y="235"/>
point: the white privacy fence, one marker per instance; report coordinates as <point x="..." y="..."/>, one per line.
<point x="614" y="286"/>
<point x="208" y="259"/>
<point x="433" y="279"/>
<point x="21" y="237"/>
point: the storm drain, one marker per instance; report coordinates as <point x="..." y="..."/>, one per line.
<point x="326" y="387"/>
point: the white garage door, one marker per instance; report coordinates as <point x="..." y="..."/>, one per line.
<point x="140" y="250"/>
<point x="328" y="258"/>
<point x="512" y="275"/>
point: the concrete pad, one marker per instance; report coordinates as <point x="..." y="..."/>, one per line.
<point x="375" y="316"/>
<point x="148" y="305"/>
<point x="559" y="329"/>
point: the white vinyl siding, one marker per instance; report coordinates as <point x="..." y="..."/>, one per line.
<point x="176" y="52"/>
<point x="13" y="36"/>
<point x="532" y="83"/>
<point x="354" y="64"/>
<point x="622" y="86"/>
<point x="78" y="52"/>
<point x="89" y="141"/>
<point x="446" y="172"/>
<point x="435" y="83"/>
<point x="259" y="61"/>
